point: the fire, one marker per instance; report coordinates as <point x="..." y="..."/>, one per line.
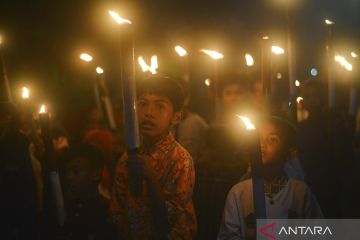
<point x="249" y="125"/>
<point x="299" y="99"/>
<point x="277" y="50"/>
<point x="215" y="55"/>
<point x="354" y="55"/>
<point x="297" y="83"/>
<point x="329" y="22"/>
<point x="343" y="62"/>
<point x="152" y="68"/>
<point x="208" y="82"/>
<point x="43" y="109"/>
<point x="118" y="19"/>
<point x="25" y="93"/>
<point x="99" y="70"/>
<point x="181" y="51"/>
<point x="86" y="57"/>
<point x="249" y="60"/>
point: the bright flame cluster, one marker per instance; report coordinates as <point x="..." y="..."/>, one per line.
<point x="343" y="62"/>
<point x="42" y="109"/>
<point x="152" y="68"/>
<point x="277" y="50"/>
<point x="329" y="22"/>
<point x="86" y="57"/>
<point x="213" y="54"/>
<point x="99" y="70"/>
<point x="25" y="93"/>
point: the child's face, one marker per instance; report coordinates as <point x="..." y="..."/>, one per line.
<point x="231" y="95"/>
<point x="156" y="115"/>
<point x="271" y="144"/>
<point x="81" y="176"/>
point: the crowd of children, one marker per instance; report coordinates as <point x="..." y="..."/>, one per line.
<point x="153" y="193"/>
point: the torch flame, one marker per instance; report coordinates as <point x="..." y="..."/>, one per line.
<point x="277" y="50"/>
<point x="249" y="125"/>
<point x="215" y="55"/>
<point x="354" y="55"/>
<point x="25" y="93"/>
<point x="43" y="109"/>
<point x="1" y="40"/>
<point x="329" y="22"/>
<point x="118" y="19"/>
<point x="99" y="70"/>
<point x="208" y="82"/>
<point x="86" y="57"/>
<point x="249" y="60"/>
<point x="181" y="51"/>
<point x="297" y="83"/>
<point x="343" y="62"/>
<point x="299" y="99"/>
<point x="152" y="68"/>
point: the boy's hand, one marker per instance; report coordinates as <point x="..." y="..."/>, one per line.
<point x="139" y="166"/>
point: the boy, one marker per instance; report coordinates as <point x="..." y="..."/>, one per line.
<point x="284" y="196"/>
<point x="164" y="169"/>
<point x="87" y="211"/>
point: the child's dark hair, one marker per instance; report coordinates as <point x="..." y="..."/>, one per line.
<point x="163" y="86"/>
<point x="286" y="129"/>
<point x="90" y="152"/>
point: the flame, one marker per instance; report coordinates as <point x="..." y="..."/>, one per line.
<point x="329" y="22"/>
<point x="208" y="82"/>
<point x="354" y="55"/>
<point x="152" y="68"/>
<point x="117" y="18"/>
<point x="277" y="50"/>
<point x="249" y="125"/>
<point x="249" y="60"/>
<point x="297" y="83"/>
<point x="181" y="51"/>
<point x="215" y="55"/>
<point x="265" y="37"/>
<point x="99" y="70"/>
<point x="86" y="57"/>
<point x="1" y="40"/>
<point x="299" y="99"/>
<point x="43" y="109"/>
<point x="25" y="93"/>
<point x="343" y="62"/>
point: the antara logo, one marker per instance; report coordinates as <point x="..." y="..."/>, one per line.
<point x="269" y="231"/>
<point x="303" y="230"/>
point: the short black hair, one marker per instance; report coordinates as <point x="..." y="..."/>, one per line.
<point x="163" y="86"/>
<point x="90" y="152"/>
<point x="287" y="131"/>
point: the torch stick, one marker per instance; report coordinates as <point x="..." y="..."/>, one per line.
<point x="6" y="79"/>
<point x="330" y="63"/>
<point x="51" y="175"/>
<point x="256" y="165"/>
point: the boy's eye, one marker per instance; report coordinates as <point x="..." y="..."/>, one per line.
<point x="273" y="139"/>
<point x="141" y="103"/>
<point x="161" y="105"/>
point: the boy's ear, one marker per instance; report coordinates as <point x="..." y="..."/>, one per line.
<point x="177" y="117"/>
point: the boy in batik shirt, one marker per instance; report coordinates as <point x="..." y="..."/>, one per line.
<point x="285" y="198"/>
<point x="163" y="172"/>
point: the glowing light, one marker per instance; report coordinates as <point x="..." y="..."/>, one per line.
<point x="343" y="62"/>
<point x="181" y="51"/>
<point x="1" y="40"/>
<point x="354" y="55"/>
<point x="25" y="93"/>
<point x="99" y="70"/>
<point x="329" y="22"/>
<point x="208" y="82"/>
<point x="297" y="83"/>
<point x="278" y="75"/>
<point x="277" y="50"/>
<point x="43" y="109"/>
<point x="249" y="60"/>
<point x="86" y="57"/>
<point x="118" y="19"/>
<point x="299" y="99"/>
<point x="213" y="54"/>
<point x="314" y="72"/>
<point x="265" y="37"/>
<point x="249" y="125"/>
<point x="152" y="68"/>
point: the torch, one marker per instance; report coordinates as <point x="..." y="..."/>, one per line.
<point x="216" y="56"/>
<point x="330" y="53"/>
<point x="183" y="53"/>
<point x="256" y="165"/>
<point x="4" y="73"/>
<point x="129" y="94"/>
<point x="50" y="173"/>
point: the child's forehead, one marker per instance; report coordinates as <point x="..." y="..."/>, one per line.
<point x="154" y="97"/>
<point x="270" y="128"/>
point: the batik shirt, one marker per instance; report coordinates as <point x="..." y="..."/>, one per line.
<point x="175" y="172"/>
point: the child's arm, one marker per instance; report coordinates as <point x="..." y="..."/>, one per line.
<point x="232" y="223"/>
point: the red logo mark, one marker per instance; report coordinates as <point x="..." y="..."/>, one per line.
<point x="266" y="233"/>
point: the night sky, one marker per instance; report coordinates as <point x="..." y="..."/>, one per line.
<point x="43" y="39"/>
